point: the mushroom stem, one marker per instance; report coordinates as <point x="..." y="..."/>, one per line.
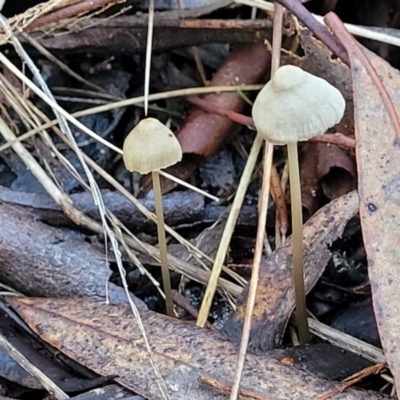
<point x="297" y="235"/>
<point x="162" y="243"/>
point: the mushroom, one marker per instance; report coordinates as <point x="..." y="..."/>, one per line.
<point x="149" y="147"/>
<point x="294" y="106"/>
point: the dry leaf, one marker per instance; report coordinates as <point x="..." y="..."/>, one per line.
<point x="106" y="339"/>
<point x="377" y="106"/>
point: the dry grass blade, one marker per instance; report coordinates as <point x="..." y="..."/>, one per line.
<point x="255" y="273"/>
<point x="346" y="342"/>
<point x="148" y="56"/>
<point x="53" y="389"/>
<point x="228" y="231"/>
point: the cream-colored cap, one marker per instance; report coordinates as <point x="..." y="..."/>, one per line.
<point x="150" y="146"/>
<point x="295" y="105"/>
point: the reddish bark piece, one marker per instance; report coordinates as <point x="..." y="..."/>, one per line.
<point x="202" y="134"/>
<point x="377" y="106"/>
<point x="195" y="363"/>
<point x="327" y="172"/>
<point x="275" y="296"/>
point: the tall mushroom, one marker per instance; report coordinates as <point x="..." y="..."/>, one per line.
<point x="149" y="147"/>
<point x="294" y="106"/>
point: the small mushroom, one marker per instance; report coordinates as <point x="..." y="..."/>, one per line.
<point x="149" y="147"/>
<point x="295" y="106"/>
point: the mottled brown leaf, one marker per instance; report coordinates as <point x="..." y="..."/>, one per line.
<point x="275" y="298"/>
<point x="106" y="339"/>
<point x="377" y="106"/>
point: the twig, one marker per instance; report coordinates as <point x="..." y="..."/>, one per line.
<point x="335" y="138"/>
<point x="223" y="112"/>
<point x="71" y="11"/>
<point x="297" y="9"/>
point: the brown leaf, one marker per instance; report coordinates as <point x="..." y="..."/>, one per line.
<point x="275" y="295"/>
<point x="377" y="106"/>
<point x="106" y="339"/>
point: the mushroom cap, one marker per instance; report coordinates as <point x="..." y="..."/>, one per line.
<point x="295" y="105"/>
<point x="150" y="146"/>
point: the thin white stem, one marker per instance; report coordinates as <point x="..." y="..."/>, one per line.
<point x="162" y="243"/>
<point x="297" y="235"/>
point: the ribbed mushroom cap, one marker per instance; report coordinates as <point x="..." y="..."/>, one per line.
<point x="295" y="105"/>
<point x="150" y="146"/>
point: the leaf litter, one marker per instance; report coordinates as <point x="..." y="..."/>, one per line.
<point x="275" y="332"/>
